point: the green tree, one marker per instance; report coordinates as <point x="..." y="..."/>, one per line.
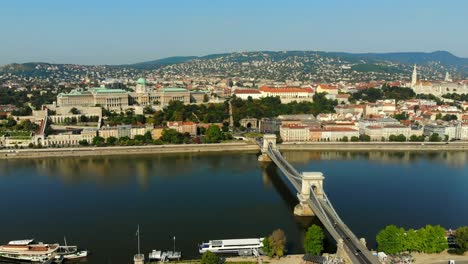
<point x="111" y="141"/>
<point x="209" y="258"/>
<point x="364" y="138"/>
<point x="98" y="141"/>
<point x="433" y="239"/>
<point x="391" y="240"/>
<point x="345" y="139"/>
<point x="313" y="241"/>
<point x="213" y="134"/>
<point x="435" y="138"/>
<point x="74" y="111"/>
<point x="354" y="139"/>
<point x="10" y="122"/>
<point x="277" y="242"/>
<point x="414" y="241"/>
<point x="461" y="237"/>
<point x="148" y="110"/>
<point x="83" y="142"/>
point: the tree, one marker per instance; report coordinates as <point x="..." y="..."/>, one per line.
<point x="277" y="243"/>
<point x="213" y="134"/>
<point x="435" y="138"/>
<point x="83" y="119"/>
<point x="354" y="139"/>
<point x="74" y="111"/>
<point x="344" y="139"/>
<point x="391" y="240"/>
<point x="10" y="122"/>
<point x="414" y="241"/>
<point x="461" y="237"/>
<point x="148" y="110"/>
<point x="111" y="141"/>
<point x="313" y="242"/>
<point x="209" y="258"/>
<point x="364" y="137"/>
<point x="83" y="142"/>
<point x="415" y="138"/>
<point x="98" y="141"/>
<point x="433" y="239"/>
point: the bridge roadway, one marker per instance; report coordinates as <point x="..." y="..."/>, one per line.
<point x="323" y="209"/>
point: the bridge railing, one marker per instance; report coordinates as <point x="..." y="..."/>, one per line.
<point x="319" y="206"/>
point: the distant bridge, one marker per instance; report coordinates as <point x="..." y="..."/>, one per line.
<point x="314" y="201"/>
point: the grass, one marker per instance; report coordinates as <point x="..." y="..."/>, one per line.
<point x="252" y="135"/>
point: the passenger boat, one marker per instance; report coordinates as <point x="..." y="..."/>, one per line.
<point x="239" y="246"/>
<point x="28" y="250"/>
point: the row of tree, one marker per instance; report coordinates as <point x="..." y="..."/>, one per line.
<point x="428" y="239"/>
<point x="386" y="92"/>
<point x="168" y="136"/>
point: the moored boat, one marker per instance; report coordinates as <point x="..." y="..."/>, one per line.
<point x="239" y="246"/>
<point x="28" y="250"/>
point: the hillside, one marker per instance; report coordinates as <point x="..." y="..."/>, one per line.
<point x="316" y="66"/>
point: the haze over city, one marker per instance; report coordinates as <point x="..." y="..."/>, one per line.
<point x="121" y="32"/>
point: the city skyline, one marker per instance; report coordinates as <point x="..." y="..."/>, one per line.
<point x="120" y="32"/>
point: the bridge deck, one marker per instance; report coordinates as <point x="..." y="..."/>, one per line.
<point x="324" y="210"/>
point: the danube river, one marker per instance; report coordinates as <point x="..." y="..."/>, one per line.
<point x="97" y="202"/>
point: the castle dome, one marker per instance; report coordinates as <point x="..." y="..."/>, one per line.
<point x="141" y="81"/>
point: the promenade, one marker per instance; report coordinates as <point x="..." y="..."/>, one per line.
<point x="231" y="147"/>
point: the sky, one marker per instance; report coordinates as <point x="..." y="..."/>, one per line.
<point x="121" y="32"/>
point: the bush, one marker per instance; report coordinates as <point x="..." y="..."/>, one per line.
<point x="209" y="258"/>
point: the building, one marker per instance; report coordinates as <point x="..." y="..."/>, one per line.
<point x="437" y="88"/>
<point x="363" y="123"/>
<point x="183" y="127"/>
<point x="244" y="94"/>
<point x="329" y="89"/>
<point x="249" y="123"/>
<point x="288" y="94"/>
<point x="112" y="99"/>
<point x="294" y="133"/>
<point x="379" y="132"/>
<point x="269" y="125"/>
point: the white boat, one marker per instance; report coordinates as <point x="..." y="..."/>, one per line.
<point x="232" y="245"/>
<point x="155" y="255"/>
<point x="70" y="252"/>
<point x="28" y="250"/>
<point x="174" y="255"/>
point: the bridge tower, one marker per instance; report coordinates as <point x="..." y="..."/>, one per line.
<point x="310" y="180"/>
<point x="267" y="140"/>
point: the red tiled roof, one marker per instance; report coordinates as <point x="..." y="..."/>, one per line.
<point x="286" y="90"/>
<point x="246" y="91"/>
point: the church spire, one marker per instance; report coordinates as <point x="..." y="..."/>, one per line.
<point x="414" y="78"/>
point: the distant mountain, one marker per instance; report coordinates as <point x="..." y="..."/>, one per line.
<point x="278" y="65"/>
<point x="444" y="58"/>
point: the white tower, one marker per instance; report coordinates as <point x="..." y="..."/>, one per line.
<point x="448" y="78"/>
<point x="414" y="78"/>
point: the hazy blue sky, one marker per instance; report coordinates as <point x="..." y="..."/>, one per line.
<point x="114" y="32"/>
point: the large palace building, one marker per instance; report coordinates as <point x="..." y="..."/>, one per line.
<point x="117" y="99"/>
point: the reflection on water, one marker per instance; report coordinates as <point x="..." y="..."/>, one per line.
<point x="451" y="158"/>
<point x="98" y="201"/>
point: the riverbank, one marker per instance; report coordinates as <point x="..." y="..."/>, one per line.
<point x="231" y="147"/>
<point x="375" y="146"/>
<point x="127" y="150"/>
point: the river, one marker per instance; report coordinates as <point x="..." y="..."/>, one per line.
<point x="97" y="202"/>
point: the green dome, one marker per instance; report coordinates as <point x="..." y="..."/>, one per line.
<point x="141" y="81"/>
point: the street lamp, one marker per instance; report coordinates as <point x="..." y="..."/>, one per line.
<point x="174" y="243"/>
